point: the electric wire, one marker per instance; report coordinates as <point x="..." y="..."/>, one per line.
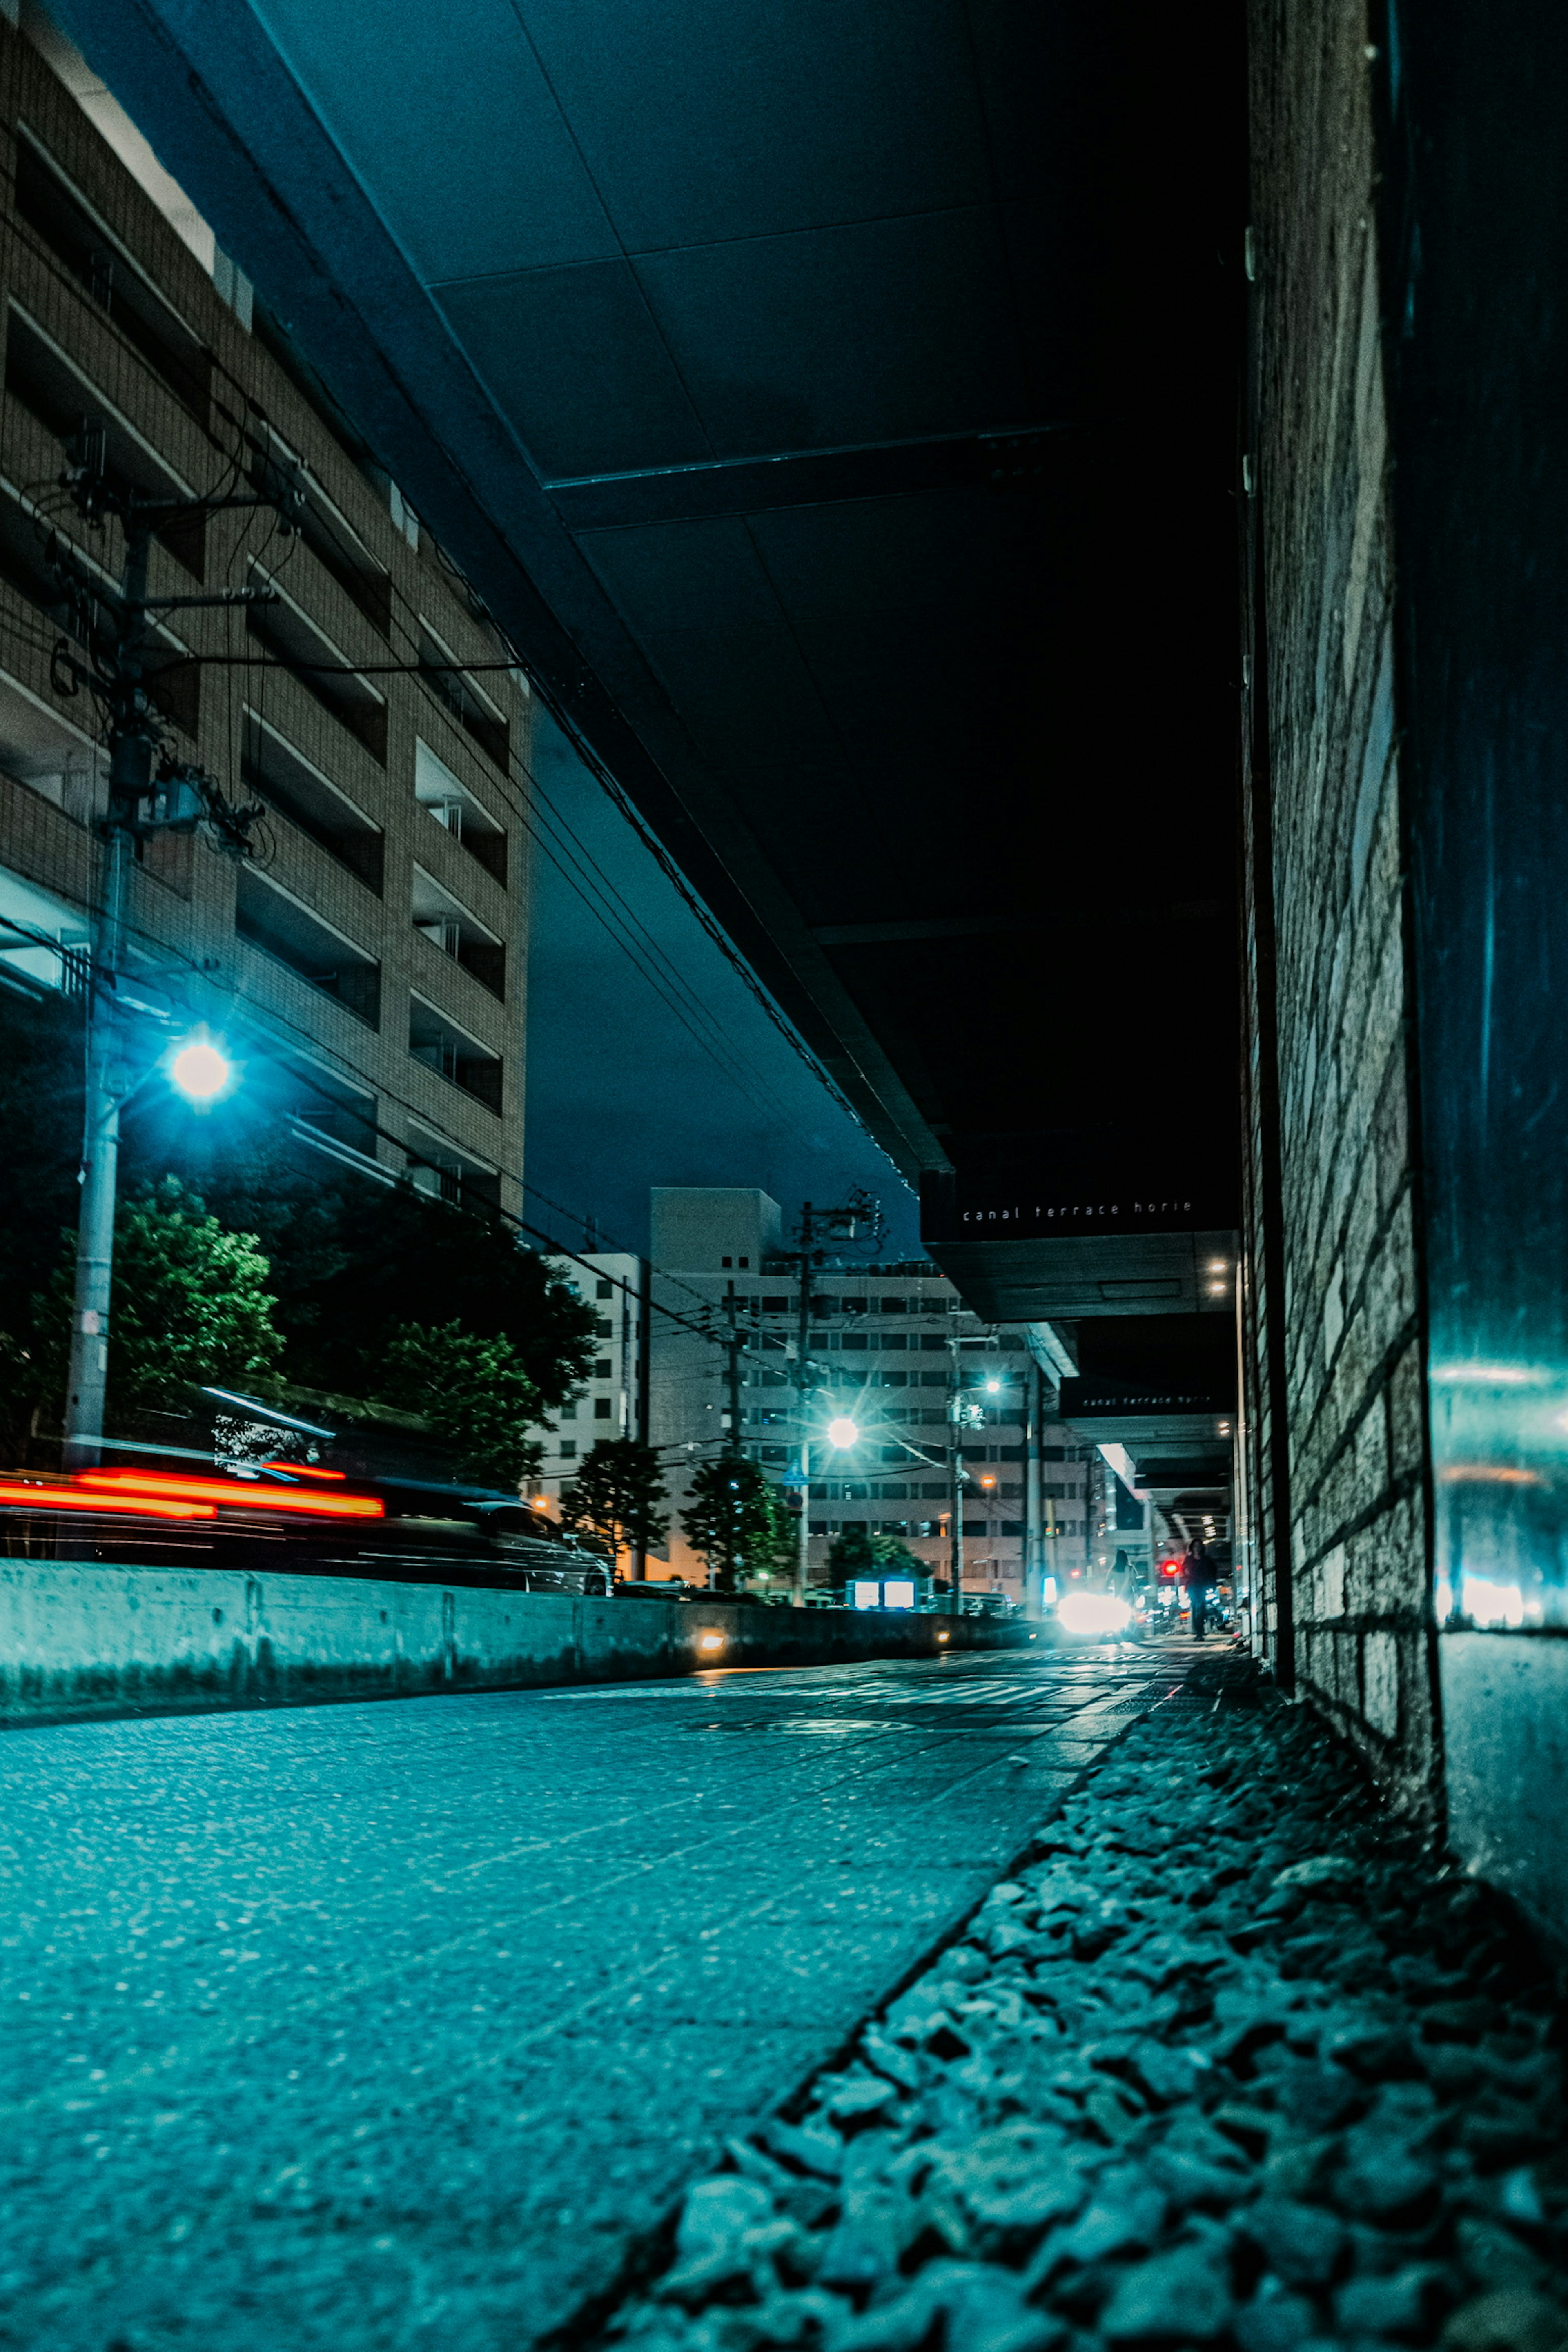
<point x="690" y="1013"/>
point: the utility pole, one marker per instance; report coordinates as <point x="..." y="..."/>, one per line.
<point x="133" y="736"/>
<point x="735" y="1346"/>
<point x="960" y="1417"/>
<point x="802" y="1390"/>
<point x="843" y="1224"/>
<point x="1034" y="1414"/>
<point x="148" y="792"/>
<point x="956" y="1476"/>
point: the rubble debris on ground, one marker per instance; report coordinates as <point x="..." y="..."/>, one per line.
<point x="1234" y="2060"/>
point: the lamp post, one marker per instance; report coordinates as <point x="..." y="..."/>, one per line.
<point x="960" y="1417"/>
<point x="817" y="1226"/>
<point x="201" y="1071"/>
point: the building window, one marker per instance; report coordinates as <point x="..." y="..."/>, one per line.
<point x="1012" y="1526"/>
<point x="267" y="917"/>
<point x="603" y="1408"/>
<point x="745" y="1262"/>
<point x="603" y="1289"/>
<point x="468" y="703"/>
<point x="724" y="1261"/>
<point x="775" y="1307"/>
<point x="602" y="1369"/>
<point x="441" y="1046"/>
<point x="977" y="1527"/>
<point x="569" y="1450"/>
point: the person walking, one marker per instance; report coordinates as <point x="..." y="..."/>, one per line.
<point x="1198" y="1575"/>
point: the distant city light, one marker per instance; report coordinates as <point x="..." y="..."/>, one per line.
<point x="711" y="1641"/>
<point x="843" y="1433"/>
<point x="201" y="1070"/>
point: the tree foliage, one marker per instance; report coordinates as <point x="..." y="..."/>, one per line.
<point x="867" y="1551"/>
<point x="736" y="1518"/>
<point x="190" y="1303"/>
<point x="619" y="1498"/>
<point x="472" y="1391"/>
<point x="353" y="1262"/>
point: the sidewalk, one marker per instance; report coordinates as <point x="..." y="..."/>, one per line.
<point x="1233" y="2061"/>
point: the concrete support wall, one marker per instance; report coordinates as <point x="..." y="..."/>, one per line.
<point x="80" y="1642"/>
<point x="1353" y="1590"/>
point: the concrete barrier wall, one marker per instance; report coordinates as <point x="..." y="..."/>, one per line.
<point x="81" y="1641"/>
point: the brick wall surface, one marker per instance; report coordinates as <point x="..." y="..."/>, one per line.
<point x="182" y="897"/>
<point x="1347" y="1353"/>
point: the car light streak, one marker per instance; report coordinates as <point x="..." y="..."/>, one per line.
<point x="248" y="1496"/>
<point x="70" y="1499"/>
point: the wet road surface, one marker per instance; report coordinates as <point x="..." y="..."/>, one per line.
<point x="389" y="2025"/>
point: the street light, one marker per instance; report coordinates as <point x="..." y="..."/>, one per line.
<point x="201" y="1070"/>
<point x="843" y="1433"/>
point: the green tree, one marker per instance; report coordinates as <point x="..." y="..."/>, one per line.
<point x="190" y="1303"/>
<point x="736" y="1518"/>
<point x="866" y="1551"/>
<point x="619" y="1498"/>
<point x="353" y="1262"/>
<point x="472" y="1391"/>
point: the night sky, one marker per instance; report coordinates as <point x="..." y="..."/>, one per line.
<point x="648" y="1061"/>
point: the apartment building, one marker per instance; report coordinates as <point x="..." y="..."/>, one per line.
<point x="367" y="963"/>
<point x="614" y="1403"/>
<point x="878" y="1352"/>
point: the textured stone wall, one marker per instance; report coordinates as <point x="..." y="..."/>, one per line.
<point x="1347" y="1354"/>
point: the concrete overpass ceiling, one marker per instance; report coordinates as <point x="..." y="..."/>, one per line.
<point x="836" y="404"/>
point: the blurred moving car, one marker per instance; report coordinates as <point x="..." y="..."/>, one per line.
<point x="292" y="1518"/>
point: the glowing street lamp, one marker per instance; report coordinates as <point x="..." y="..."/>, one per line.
<point x="843" y="1433"/>
<point x="201" y="1070"/>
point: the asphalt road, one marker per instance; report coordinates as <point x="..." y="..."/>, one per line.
<point x="391" y="2025"/>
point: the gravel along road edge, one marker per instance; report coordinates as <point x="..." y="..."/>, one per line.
<point x="1234" y="2059"/>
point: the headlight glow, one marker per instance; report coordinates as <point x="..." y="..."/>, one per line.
<point x="1093" y="1612"/>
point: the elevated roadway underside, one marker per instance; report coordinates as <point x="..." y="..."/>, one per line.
<point x="837" y="409"/>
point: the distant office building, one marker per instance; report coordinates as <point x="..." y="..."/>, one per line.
<point x="877" y="1351"/>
